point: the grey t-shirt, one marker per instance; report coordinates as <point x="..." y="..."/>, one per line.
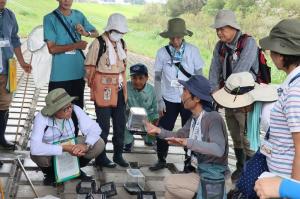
<point x="214" y="145"/>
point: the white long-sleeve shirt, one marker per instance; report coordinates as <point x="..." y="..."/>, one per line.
<point x="42" y="142"/>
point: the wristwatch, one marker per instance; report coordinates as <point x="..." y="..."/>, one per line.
<point x="89" y="34"/>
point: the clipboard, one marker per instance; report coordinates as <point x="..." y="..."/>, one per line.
<point x="66" y="166"/>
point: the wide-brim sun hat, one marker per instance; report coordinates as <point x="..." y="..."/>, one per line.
<point x="55" y="101"/>
<point x="176" y="28"/>
<point x="225" y="18"/>
<point x="284" y="38"/>
<point x="241" y="90"/>
<point x="198" y="86"/>
<point x="117" y="22"/>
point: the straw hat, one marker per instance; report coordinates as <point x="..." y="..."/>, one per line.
<point x="225" y="18"/>
<point x="241" y="90"/>
<point x="56" y="100"/>
<point x="176" y="28"/>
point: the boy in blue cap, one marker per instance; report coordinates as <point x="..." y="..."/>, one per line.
<point x="140" y="94"/>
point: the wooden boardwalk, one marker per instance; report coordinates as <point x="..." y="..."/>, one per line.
<point x="28" y="101"/>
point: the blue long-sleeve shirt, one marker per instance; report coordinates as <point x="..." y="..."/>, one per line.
<point x="9" y="31"/>
<point x="289" y="189"/>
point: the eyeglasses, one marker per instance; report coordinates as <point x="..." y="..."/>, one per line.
<point x="66" y="109"/>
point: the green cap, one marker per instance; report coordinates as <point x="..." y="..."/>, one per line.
<point x="284" y="38"/>
<point x="56" y="100"/>
<point x="176" y="28"/>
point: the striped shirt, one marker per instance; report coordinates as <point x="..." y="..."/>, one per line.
<point x="285" y="120"/>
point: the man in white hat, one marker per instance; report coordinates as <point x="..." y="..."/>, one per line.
<point x="63" y="29"/>
<point x="55" y="125"/>
<point x="178" y="60"/>
<point x="234" y="52"/>
<point x="105" y="71"/>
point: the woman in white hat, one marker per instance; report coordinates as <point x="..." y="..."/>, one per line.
<point x="54" y="124"/>
<point x="106" y="74"/>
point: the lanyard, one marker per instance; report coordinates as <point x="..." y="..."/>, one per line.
<point x="195" y="130"/>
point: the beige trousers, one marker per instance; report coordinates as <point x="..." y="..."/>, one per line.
<point x="181" y="186"/>
<point x="5" y="96"/>
<point x="46" y="161"/>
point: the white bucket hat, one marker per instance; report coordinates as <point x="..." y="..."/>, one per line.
<point x="117" y="22"/>
<point x="225" y="18"/>
<point x="241" y="90"/>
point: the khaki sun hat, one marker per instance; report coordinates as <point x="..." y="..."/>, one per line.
<point x="176" y="28"/>
<point x="117" y="22"/>
<point x="241" y="90"/>
<point x="284" y="38"/>
<point x="225" y="18"/>
<point x="56" y="100"/>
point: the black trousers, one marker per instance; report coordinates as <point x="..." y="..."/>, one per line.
<point x="118" y="120"/>
<point x="168" y="122"/>
<point x="73" y="88"/>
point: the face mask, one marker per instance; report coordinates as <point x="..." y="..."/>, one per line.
<point x="115" y="36"/>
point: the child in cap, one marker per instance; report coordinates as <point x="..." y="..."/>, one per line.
<point x="140" y="94"/>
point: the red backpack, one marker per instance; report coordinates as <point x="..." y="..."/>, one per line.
<point x="264" y="71"/>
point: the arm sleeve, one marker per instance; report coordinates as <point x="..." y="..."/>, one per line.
<point x="181" y="133"/>
<point x="87" y="126"/>
<point x="37" y="146"/>
<point x="198" y="62"/>
<point x="49" y="30"/>
<point x="92" y="55"/>
<point x="216" y="146"/>
<point x="215" y="69"/>
<point x="248" y="57"/>
<point x="292" y="111"/>
<point x="15" y="39"/>
<point x="289" y="189"/>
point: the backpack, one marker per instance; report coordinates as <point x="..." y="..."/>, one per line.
<point x="264" y="71"/>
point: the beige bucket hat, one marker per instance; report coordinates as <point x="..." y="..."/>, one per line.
<point x="241" y="90"/>
<point x="56" y="100"/>
<point x="176" y="28"/>
<point x="117" y="22"/>
<point x="225" y="18"/>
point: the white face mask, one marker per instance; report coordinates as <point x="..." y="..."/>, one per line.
<point x="115" y="36"/>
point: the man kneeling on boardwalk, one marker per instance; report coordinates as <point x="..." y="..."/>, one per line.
<point x="54" y="124"/>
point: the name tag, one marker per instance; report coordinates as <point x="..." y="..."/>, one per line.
<point x="266" y="148"/>
<point x="72" y="52"/>
<point x="4" y="43"/>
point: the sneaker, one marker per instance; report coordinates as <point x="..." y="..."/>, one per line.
<point x="157" y="166"/>
<point x="83" y="176"/>
<point x="8" y="146"/>
<point x="49" y="180"/>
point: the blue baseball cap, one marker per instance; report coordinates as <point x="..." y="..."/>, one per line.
<point x="138" y="69"/>
<point x="198" y="86"/>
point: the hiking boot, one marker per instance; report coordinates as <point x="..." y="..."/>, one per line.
<point x="105" y="163"/>
<point x="157" y="166"/>
<point x="120" y="161"/>
<point x="127" y="147"/>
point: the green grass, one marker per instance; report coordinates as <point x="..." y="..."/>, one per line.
<point x="145" y="25"/>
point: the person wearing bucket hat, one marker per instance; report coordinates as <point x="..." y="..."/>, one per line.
<point x="140" y="94"/>
<point x="176" y="61"/>
<point x="105" y="66"/>
<point x="63" y="31"/>
<point x="205" y="137"/>
<point x="234" y="52"/>
<point x="284" y="45"/>
<point x="54" y="124"/>
<point x="10" y="45"/>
